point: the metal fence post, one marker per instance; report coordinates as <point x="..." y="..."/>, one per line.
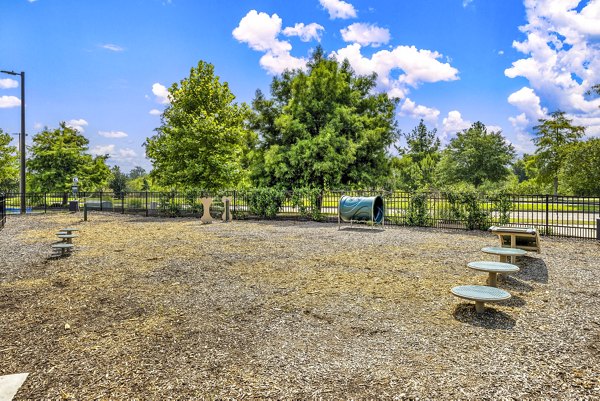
<point x="598" y="229"/>
<point x="147" y="204"/>
<point x="100" y="200"/>
<point x="547" y="218"/>
<point x="122" y="202"/>
<point x="45" y="203"/>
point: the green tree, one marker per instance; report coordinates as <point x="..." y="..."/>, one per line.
<point x="9" y="164"/>
<point x="475" y="156"/>
<point x="323" y="128"/>
<point x="203" y="140"/>
<point x="118" y="182"/>
<point x="136" y="172"/>
<point x="415" y="168"/>
<point x="581" y="170"/>
<point x="59" y="155"/>
<point x="552" y="137"/>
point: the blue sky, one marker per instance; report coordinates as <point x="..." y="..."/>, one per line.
<point x="103" y="66"/>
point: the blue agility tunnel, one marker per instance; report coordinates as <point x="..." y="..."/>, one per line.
<point x="360" y="208"/>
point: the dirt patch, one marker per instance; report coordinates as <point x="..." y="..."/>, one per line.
<point x="150" y="308"/>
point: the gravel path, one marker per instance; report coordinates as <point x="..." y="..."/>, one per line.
<point x="150" y="308"/>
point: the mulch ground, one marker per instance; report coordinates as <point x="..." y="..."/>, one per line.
<point x="150" y="308"/>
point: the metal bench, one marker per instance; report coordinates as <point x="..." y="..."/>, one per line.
<point x="480" y="294"/>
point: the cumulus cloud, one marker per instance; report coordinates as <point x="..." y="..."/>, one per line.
<point x="306" y="33"/>
<point x="8" y="83"/>
<point x="6" y="102"/>
<point x="519" y="122"/>
<point x="112" y="47"/>
<point x="366" y="34"/>
<point x="454" y="122"/>
<point x="338" y="9"/>
<point x="101" y="150"/>
<point x="161" y="93"/>
<point x="260" y="32"/>
<point x="417" y="65"/>
<point x="466" y="2"/>
<point x="79" y="124"/>
<point x="411" y="109"/>
<point x="562" y="56"/>
<point x="120" y="154"/>
<point x="528" y="102"/>
<point x="155" y="112"/>
<point x="112" y="134"/>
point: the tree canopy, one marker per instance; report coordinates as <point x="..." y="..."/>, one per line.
<point x="581" y="169"/>
<point x="323" y="128"/>
<point x="59" y="155"/>
<point x="552" y="137"/>
<point x="9" y="164"/>
<point x="476" y="156"/>
<point x="202" y="141"/>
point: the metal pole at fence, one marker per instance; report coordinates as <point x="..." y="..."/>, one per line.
<point x="598" y="229"/>
<point x="547" y="229"/>
<point x="147" y="204"/>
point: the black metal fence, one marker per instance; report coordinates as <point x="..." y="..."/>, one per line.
<point x="2" y="211"/>
<point x="563" y="216"/>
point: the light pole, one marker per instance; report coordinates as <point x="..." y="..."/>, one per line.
<point x="21" y="139"/>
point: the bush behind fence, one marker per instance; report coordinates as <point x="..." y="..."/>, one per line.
<point x="557" y="216"/>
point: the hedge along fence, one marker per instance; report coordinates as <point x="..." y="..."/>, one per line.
<point x="556" y="216"/>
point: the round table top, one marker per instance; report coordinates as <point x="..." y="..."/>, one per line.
<point x="493" y="267"/>
<point x="480" y="293"/>
<point x="67" y="235"/>
<point x="69" y="229"/>
<point x="496" y="250"/>
<point x="62" y="245"/>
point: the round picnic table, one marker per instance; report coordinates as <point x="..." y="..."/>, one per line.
<point x="493" y="268"/>
<point x="504" y="253"/>
<point x="480" y="294"/>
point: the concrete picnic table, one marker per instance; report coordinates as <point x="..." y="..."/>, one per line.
<point x="504" y="253"/>
<point x="493" y="268"/>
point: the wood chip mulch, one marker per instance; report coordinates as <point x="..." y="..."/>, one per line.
<point x="150" y="308"/>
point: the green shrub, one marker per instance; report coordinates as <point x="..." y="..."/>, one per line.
<point x="299" y="199"/>
<point x="417" y="213"/>
<point x="265" y="202"/>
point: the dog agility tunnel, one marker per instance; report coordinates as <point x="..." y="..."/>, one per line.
<point x="359" y="208"/>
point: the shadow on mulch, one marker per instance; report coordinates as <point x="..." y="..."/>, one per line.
<point x="490" y="319"/>
<point x="533" y="269"/>
<point x="514" y="301"/>
<point x="511" y="284"/>
<point x="363" y="230"/>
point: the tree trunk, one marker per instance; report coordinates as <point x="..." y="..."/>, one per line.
<point x="555" y="186"/>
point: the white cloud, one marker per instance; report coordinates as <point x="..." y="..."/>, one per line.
<point x="562" y="57"/>
<point x="7" y="83"/>
<point x="519" y="122"/>
<point x="500" y="52"/>
<point x="411" y="109"/>
<point x="112" y="47"/>
<point x="155" y="112"/>
<point x="121" y="154"/>
<point x="112" y="134"/>
<point x="306" y="33"/>
<point x="77" y="124"/>
<point x="338" y="9"/>
<point x="101" y="150"/>
<point x="528" y="102"/>
<point x="260" y="31"/>
<point x="126" y="153"/>
<point x="161" y="93"/>
<point x="366" y="34"/>
<point x="465" y="3"/>
<point x="454" y="122"/>
<point x="418" y="66"/>
<point x="38" y="126"/>
<point x="7" y="102"/>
